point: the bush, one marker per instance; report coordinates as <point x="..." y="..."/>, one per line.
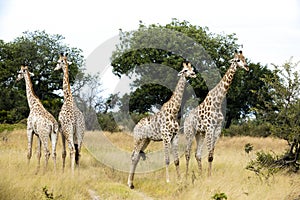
<point x="107" y="122"/>
<point x="11" y="127"/>
<point x="250" y="128"/>
<point x="248" y="148"/>
<point x="265" y="165"/>
<point x="219" y="196"/>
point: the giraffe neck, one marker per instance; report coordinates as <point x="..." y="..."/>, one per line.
<point x="66" y="86"/>
<point x="32" y="99"/>
<point x="174" y="103"/>
<point x="222" y="88"/>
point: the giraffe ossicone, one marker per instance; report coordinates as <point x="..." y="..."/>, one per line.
<point x="205" y="121"/>
<point x="163" y="126"/>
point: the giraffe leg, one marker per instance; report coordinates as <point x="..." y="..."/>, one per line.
<point x="77" y="154"/>
<point x="80" y="135"/>
<point x="140" y="145"/>
<point x="30" y="139"/>
<point x="46" y="151"/>
<point x="198" y="154"/>
<point x="38" y="154"/>
<point x="174" y="143"/>
<point x="167" y="158"/>
<point x="64" y="153"/>
<point x="210" y="159"/>
<point x="72" y="156"/>
<point x="210" y="147"/>
<point x="54" y="137"/>
<point x="189" y="138"/>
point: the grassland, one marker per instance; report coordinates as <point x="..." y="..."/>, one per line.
<point x="94" y="180"/>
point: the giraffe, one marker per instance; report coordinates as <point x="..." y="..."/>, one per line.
<point x="39" y="122"/>
<point x="70" y="118"/>
<point x="205" y="121"/>
<point x="162" y="126"/>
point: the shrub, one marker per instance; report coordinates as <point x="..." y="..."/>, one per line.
<point x="219" y="196"/>
<point x="249" y="128"/>
<point x="265" y="165"/>
<point x="107" y="122"/>
<point x="11" y="127"/>
<point x="248" y="148"/>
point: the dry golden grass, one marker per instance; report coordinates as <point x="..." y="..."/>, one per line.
<point x="93" y="178"/>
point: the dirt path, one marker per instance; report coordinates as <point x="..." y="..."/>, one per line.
<point x="95" y="196"/>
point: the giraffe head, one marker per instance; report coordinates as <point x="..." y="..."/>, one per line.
<point x="239" y="60"/>
<point x="187" y="70"/>
<point x="62" y="62"/>
<point x="23" y="71"/>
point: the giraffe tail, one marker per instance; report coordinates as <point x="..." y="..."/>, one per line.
<point x="143" y="155"/>
<point x="56" y="128"/>
<point x="54" y="131"/>
<point x="181" y="130"/>
<point x="77" y="155"/>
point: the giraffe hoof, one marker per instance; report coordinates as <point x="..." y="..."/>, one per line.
<point x="132" y="187"/>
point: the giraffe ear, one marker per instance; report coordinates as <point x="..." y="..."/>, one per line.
<point x="70" y="63"/>
<point x="31" y="74"/>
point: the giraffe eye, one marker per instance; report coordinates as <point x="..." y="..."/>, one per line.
<point x="238" y="60"/>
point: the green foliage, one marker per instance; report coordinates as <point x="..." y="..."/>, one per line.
<point x="136" y="117"/>
<point x="283" y="111"/>
<point x="119" y="121"/>
<point x="12" y="127"/>
<point x="252" y="128"/>
<point x="140" y="103"/>
<point x="248" y="148"/>
<point x="40" y="52"/>
<point x="239" y="100"/>
<point x="219" y="196"/>
<point x="49" y="195"/>
<point x="107" y="122"/>
<point x="264" y="166"/>
<point x="142" y="52"/>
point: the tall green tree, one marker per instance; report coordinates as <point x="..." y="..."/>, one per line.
<point x="40" y="51"/>
<point x="283" y="111"/>
<point x="141" y="53"/>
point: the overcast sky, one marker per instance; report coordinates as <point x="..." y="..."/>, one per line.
<point x="268" y="29"/>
